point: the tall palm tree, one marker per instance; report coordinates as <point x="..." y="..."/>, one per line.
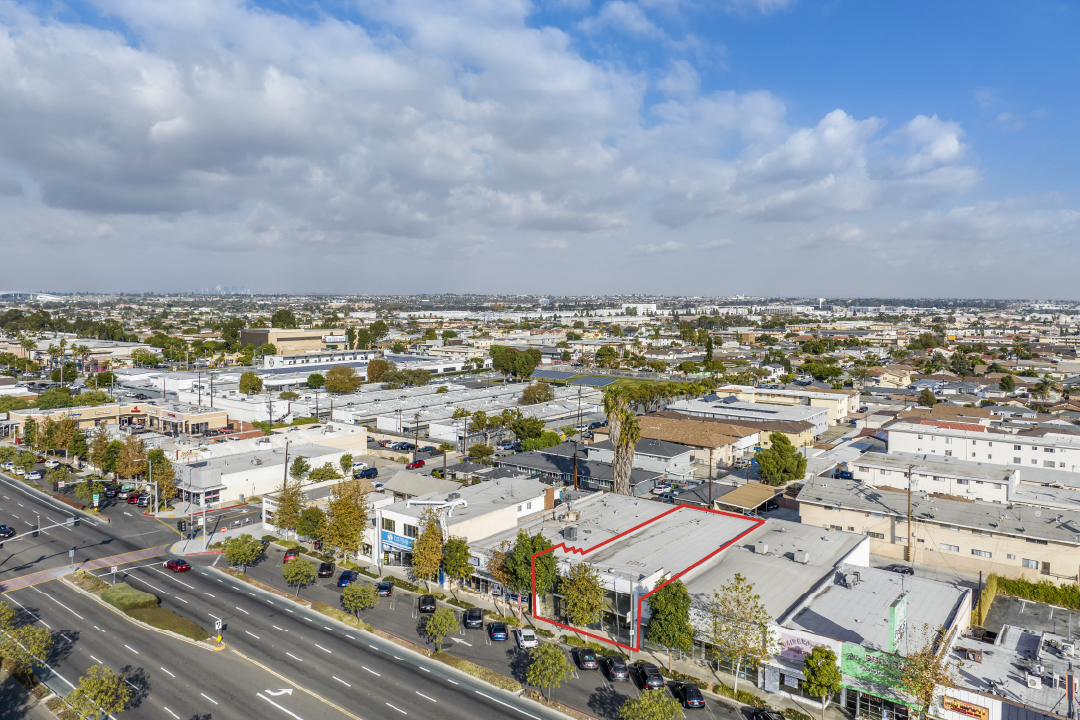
<point x="54" y="352"/>
<point x="629" y="434"/>
<point x="615" y="402"/>
<point x="1045" y="387"/>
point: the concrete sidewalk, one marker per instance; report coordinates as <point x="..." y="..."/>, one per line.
<point x="17" y="704"/>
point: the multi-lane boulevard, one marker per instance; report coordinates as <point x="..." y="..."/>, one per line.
<point x="280" y="659"/>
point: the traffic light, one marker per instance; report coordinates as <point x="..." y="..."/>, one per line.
<point x="181" y="525"/>
<point x="35" y="531"/>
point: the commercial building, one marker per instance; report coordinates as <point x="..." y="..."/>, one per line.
<point x="839" y="403"/>
<point x="167" y="417"/>
<point x="557" y="466"/>
<point x="730" y="408"/>
<point x="294" y="341"/>
<point x="317" y="361"/>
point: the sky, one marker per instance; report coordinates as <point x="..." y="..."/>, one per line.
<point x="764" y="147"/>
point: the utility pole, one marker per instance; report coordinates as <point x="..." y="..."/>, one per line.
<point x="910" y="529"/>
<point x="416" y="435"/>
<point x="710" y="478"/>
<point x="200" y="387"/>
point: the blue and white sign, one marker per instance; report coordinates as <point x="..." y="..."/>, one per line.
<point x="399" y="541"/>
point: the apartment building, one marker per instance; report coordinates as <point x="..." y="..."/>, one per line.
<point x="975" y="443"/>
<point x="840" y="404"/>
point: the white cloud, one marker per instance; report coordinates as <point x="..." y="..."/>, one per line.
<point x="624" y="16"/>
<point x="663" y="248"/>
<point x="682" y="80"/>
<point x="715" y="244"/>
<point x="762" y="6"/>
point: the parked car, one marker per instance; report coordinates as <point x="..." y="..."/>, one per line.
<point x="587" y="660"/>
<point x="326" y="570"/>
<point x="414" y="465"/>
<point x="526" y="638"/>
<point x="143" y="501"/>
<point x="497" y="631"/>
<point x="290" y="554"/>
<point x="649" y="676"/>
<point x="357" y="465"/>
<point x="8" y="465"/>
<point x="384" y="443"/>
<point x="615" y="668"/>
<point x="474" y="618"/>
<point x="427" y="604"/>
<point x="844" y="475"/>
<point x="177" y="565"/>
<point x="6" y="532"/>
<point x="900" y="569"/>
<point x="51" y="464"/>
<point x="428" y="449"/>
<point x="347" y="577"/>
<point x="34" y="475"/>
<point x="367" y="473"/>
<point x="766" y="714"/>
<point x="385" y="589"/>
<point x="689" y="694"/>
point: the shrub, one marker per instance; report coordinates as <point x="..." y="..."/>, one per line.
<point x="403" y="584"/>
<point x="990" y="589"/>
<point x="545" y="633"/>
<point x="460" y="603"/>
<point x="341" y="616"/>
<point x="597" y="647"/>
<point x="490" y="676"/>
<point x="683" y="677"/>
<point x="124" y="597"/>
<point x="166" y="619"/>
<point x="793" y="714"/>
<point x="1044" y="591"/>
<point x="744" y="696"/>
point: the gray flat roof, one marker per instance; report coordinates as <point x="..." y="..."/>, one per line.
<point x="481" y="499"/>
<point x="860" y="613"/>
<point x="648" y="446"/>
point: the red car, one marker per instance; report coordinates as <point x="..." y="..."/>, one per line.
<point x="133" y="498"/>
<point x="177" y="565"/>
<point x="414" y="465"/>
<point x="290" y="554"/>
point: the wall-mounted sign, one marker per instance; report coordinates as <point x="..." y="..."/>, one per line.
<point x="966" y="708"/>
<point x="335" y="338"/>
<point x="398" y="541"/>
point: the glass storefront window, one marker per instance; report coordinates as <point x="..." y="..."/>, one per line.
<point x="864" y="705"/>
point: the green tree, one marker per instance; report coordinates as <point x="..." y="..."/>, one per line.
<point x="427" y="552"/>
<point x="669" y="624"/>
<point x="348" y="511"/>
<point x="299" y="573"/>
<point x="289" y="395"/>
<point x="311" y="523"/>
<point x="300" y="467"/>
<point x="100" y="691"/>
<point x="481" y="452"/>
<point x="377" y="368"/>
<point x="441" y="623"/>
<point x="1007" y="384"/>
<point x="86" y="491"/>
<point x="315" y="380"/>
<point x="519" y="565"/>
<point x="449" y="335"/>
<point x="345" y="462"/>
<point x="738" y="624"/>
<point x="430" y="334"/>
<point x="821" y="675"/>
<point x="321" y="474"/>
<point x="398" y="348"/>
<point x="527" y="427"/>
<point x="547" y="439"/>
<point x="926" y="398"/>
<point x="651" y="706"/>
<point x="1045" y="387"/>
<point x="163" y="473"/>
<point x="928" y="668"/>
<point x="455" y="559"/>
<point x="26" y="461"/>
<point x="284" y="319"/>
<point x="242" y="550"/>
<point x="584" y="594"/>
<point x="342" y="380"/>
<point x="289" y="505"/>
<point x="538" y="392"/>
<point x="30" y="433"/>
<point x="21" y="644"/>
<point x="782" y="462"/>
<point x="357" y="598"/>
<point x="250" y="383"/>
<point x="548" y="668"/>
<point x="607" y="356"/>
<point x="112" y="456"/>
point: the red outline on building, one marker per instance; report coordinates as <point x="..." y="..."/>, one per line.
<point x="758" y="522"/>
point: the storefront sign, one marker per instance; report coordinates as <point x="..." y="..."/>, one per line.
<point x="897" y="622"/>
<point x="797" y="644"/>
<point x="966" y="708"/>
<point x="398" y="541"/>
<point x="871" y="665"/>
<point x="791" y="681"/>
<point x="793" y="647"/>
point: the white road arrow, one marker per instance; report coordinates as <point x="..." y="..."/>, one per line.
<point x="461" y="641"/>
<point x="287" y="691"/>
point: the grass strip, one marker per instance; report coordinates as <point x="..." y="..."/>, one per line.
<point x="479" y="671"/>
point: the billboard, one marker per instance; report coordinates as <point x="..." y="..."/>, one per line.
<point x="335" y="338"/>
<point x="965" y="708"/>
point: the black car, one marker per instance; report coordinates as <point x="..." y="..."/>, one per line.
<point x="427" y="449"/>
<point x="587" y="660"/>
<point x="110" y="491"/>
<point x="6" y="532"/>
<point x="649" y="676"/>
<point x="385" y="589"/>
<point x="326" y="570"/>
<point x="766" y="714"/>
<point x="427" y="603"/>
<point x="690" y="695"/>
<point x="474" y="619"/>
<point x="615" y="668"/>
<point x="900" y="569"/>
<point x="367" y="473"/>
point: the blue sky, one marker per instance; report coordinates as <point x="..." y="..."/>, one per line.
<point x="777" y="147"/>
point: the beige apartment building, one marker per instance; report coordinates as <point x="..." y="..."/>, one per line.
<point x="839" y="403"/>
<point x="294" y="341"/>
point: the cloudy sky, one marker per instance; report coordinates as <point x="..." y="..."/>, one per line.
<point x="785" y="147"/>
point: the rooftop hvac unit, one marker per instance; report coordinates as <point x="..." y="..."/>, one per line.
<point x="761" y="547"/>
<point x="570" y="532"/>
<point x="1068" y="648"/>
<point x="454" y="496"/>
<point x="801" y="556"/>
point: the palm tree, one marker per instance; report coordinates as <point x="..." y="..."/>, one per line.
<point x="54" y="352"/>
<point x="1045" y="387"/>
<point x="630" y="433"/>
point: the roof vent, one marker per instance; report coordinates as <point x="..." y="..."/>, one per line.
<point x="761" y="547"/>
<point x="801" y="556"/>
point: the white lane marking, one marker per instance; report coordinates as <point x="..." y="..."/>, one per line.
<point x="293" y="657"/>
<point x="210" y="594"/>
<point x="371" y="671"/>
<point x="341" y="681"/>
<point x="288" y="610"/>
<point x="212" y="699"/>
<point x="63" y="606"/>
<point x="30" y="613"/>
<point x="425" y="696"/>
<point x="171" y="713"/>
<point x="181" y="599"/>
<point x="326" y="628"/>
<point x="308" y="619"/>
<point x="277" y="628"/>
<point x="350" y="637"/>
<point x="173" y="576"/>
<point x="284" y="710"/>
<point x="131" y="683"/>
<point x="97" y="628"/>
<point x="398" y="709"/>
<point x="450" y="681"/>
<point x="507" y="705"/>
<point x="96" y="660"/>
<point x="253" y="635"/>
<point x="396" y="657"/>
<point x="136" y="577"/>
<point x="270" y="601"/>
<point x="322" y="648"/>
<point x="132" y="649"/>
<point x="372" y="646"/>
<point x="424" y="669"/>
<point x="241" y="610"/>
<point x="129" y="515"/>
<point x="167" y="672"/>
<point x="19" y="504"/>
<point x="213" y="616"/>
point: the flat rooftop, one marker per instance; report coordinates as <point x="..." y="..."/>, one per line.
<point x="858" y="612"/>
<point x="482" y="499"/>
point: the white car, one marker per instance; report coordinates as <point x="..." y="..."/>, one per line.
<point x="51" y="464"/>
<point x="20" y="471"/>
<point x="34" y="475"/>
<point x="526" y="638"/>
<point x="8" y="465"/>
<point x="359" y="465"/>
